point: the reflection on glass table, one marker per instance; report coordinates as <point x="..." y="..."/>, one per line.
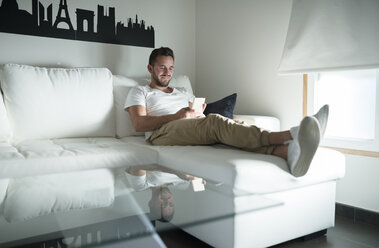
<point x="159" y="180"/>
<point x="185" y="200"/>
<point x="148" y="199"/>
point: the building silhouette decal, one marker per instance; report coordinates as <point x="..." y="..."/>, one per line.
<point x="41" y="23"/>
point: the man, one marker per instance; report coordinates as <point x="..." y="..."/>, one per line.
<point x="167" y="117"/>
<point x="157" y="179"/>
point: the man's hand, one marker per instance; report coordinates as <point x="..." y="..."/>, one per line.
<point x="189" y="112"/>
<point x="186" y="113"/>
<point x="143" y="123"/>
<point x="202" y="112"/>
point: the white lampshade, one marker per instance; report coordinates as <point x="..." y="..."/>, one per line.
<point x="331" y="35"/>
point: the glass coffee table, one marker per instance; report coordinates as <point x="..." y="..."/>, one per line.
<point x="149" y="200"/>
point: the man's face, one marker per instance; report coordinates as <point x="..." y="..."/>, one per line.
<point x="162" y="70"/>
<point x="162" y="203"/>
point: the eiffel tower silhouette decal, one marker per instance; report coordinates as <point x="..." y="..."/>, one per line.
<point x="60" y="18"/>
<point x="39" y="22"/>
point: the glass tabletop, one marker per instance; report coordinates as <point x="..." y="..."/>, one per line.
<point x="149" y="199"/>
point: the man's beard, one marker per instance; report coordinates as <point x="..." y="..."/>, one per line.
<point x="159" y="82"/>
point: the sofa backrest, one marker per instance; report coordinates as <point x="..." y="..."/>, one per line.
<point x="58" y="103"/>
<point x="181" y="81"/>
<point x="5" y="132"/>
<point x="121" y="87"/>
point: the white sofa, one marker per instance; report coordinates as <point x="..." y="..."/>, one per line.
<point x="64" y="133"/>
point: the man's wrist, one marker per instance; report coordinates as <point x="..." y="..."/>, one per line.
<point x="173" y="117"/>
<point x="136" y="172"/>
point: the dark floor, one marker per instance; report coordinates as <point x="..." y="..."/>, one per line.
<point x="346" y="234"/>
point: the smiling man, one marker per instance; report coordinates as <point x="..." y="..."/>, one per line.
<point x="166" y="116"/>
<point x="162" y="73"/>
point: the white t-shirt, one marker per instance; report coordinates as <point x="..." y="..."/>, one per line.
<point x="155" y="179"/>
<point x="157" y="102"/>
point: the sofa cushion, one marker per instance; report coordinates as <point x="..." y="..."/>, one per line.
<point x="3" y="190"/>
<point x="57" y="103"/>
<point x="269" y="123"/>
<point x="255" y="173"/>
<point x="252" y="172"/>
<point x="38" y="157"/>
<point x="224" y="106"/>
<point x="181" y="81"/>
<point x="5" y="132"/>
<point x="30" y="197"/>
<point x="121" y="87"/>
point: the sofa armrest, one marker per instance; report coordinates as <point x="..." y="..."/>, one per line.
<point x="266" y="122"/>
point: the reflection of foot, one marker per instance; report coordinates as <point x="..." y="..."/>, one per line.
<point x="302" y="149"/>
<point x="322" y="117"/>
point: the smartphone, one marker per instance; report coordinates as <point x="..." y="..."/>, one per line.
<point x="197" y="104"/>
<point x="197" y="184"/>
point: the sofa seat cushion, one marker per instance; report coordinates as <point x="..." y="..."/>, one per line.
<point x="34" y="196"/>
<point x="256" y="173"/>
<point x="8" y="152"/>
<point x="3" y="190"/>
<point x="30" y="158"/>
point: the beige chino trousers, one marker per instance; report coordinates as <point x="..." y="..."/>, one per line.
<point x="213" y="129"/>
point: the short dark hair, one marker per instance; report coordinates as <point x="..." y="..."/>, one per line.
<point x="162" y="51"/>
<point x="154" y="215"/>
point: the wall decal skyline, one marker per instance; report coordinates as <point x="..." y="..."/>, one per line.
<point x="40" y="23"/>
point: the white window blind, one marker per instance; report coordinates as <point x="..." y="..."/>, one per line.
<point x="331" y="35"/>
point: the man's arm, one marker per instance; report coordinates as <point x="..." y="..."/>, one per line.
<point x="144" y="123"/>
<point x="140" y="170"/>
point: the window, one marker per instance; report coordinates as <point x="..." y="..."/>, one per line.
<point x="352" y="98"/>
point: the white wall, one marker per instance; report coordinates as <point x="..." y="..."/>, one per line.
<point x="239" y="45"/>
<point x="173" y="21"/>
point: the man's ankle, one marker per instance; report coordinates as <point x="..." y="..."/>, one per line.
<point x="281" y="151"/>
